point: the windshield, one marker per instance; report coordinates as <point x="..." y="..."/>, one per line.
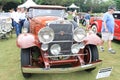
<point x="116" y="16"/>
<point x="46" y="12"/>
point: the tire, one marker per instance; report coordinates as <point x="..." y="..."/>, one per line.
<point x="94" y="29"/>
<point x="93" y="56"/>
<point x="25" y="61"/>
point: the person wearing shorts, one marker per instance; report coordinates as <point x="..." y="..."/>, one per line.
<point x="108" y="29"/>
<point x="107" y="36"/>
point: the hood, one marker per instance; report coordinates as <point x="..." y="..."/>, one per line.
<point x="44" y="19"/>
<point x="37" y="23"/>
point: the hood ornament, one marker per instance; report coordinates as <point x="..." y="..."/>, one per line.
<point x="62" y="33"/>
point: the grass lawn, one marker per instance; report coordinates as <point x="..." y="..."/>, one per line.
<point x="10" y="64"/>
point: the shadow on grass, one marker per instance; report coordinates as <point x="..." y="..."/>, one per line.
<point x="116" y="41"/>
<point x="80" y="75"/>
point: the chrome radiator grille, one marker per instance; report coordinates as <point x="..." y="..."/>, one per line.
<point x="63" y="37"/>
<point x="62" y="31"/>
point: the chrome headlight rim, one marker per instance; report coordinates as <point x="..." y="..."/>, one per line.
<point x="75" y="48"/>
<point x="44" y="47"/>
<point x="46" y="35"/>
<point x="79" y="34"/>
<point x="55" y="49"/>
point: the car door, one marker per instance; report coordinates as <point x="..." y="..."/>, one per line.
<point x="117" y="22"/>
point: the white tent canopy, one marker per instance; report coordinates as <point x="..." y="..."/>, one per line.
<point x="73" y="6"/>
<point x="27" y="4"/>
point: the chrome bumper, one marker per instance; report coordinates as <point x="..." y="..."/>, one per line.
<point x="60" y="70"/>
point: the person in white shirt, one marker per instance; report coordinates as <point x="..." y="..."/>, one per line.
<point x="74" y="13"/>
<point x="12" y="12"/>
<point x="15" y="16"/>
<point x="22" y="17"/>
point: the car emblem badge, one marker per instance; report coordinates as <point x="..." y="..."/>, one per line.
<point x="62" y="33"/>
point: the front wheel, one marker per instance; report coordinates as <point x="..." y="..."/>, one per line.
<point x="92" y="55"/>
<point x="25" y="61"/>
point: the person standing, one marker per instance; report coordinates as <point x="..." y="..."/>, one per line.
<point x="12" y="12"/>
<point x="22" y="17"/>
<point x="74" y="13"/>
<point x="108" y="29"/>
<point x="15" y="16"/>
<point x="87" y="19"/>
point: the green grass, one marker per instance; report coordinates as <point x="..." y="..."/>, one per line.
<point x="10" y="64"/>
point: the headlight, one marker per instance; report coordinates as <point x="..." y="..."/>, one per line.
<point x="79" y="34"/>
<point x="46" y="35"/>
<point x="44" y="47"/>
<point x="75" y="48"/>
<point x="55" y="49"/>
<point x="8" y="20"/>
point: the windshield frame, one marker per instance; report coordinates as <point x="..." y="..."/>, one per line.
<point x="34" y="12"/>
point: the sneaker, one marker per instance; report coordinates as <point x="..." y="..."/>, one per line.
<point x="112" y="51"/>
<point x="101" y="49"/>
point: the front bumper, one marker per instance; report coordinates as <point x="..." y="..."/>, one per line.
<point x="60" y="70"/>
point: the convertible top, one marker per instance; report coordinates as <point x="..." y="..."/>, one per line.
<point x="48" y="7"/>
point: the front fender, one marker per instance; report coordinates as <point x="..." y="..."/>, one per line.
<point x="92" y="38"/>
<point x="26" y="40"/>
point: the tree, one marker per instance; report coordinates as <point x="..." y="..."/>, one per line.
<point x="117" y="2"/>
<point x="94" y="5"/>
<point x="4" y="2"/>
<point x="85" y="5"/>
<point x="10" y="5"/>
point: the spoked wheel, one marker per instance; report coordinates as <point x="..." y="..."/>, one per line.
<point x="25" y="61"/>
<point x="91" y="52"/>
<point x="94" y="29"/>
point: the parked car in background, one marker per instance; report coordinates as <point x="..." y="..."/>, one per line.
<point x="5" y="25"/>
<point x="96" y="24"/>
<point x="55" y="45"/>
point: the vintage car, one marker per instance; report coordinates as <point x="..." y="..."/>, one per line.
<point x="5" y="25"/>
<point x="96" y="24"/>
<point x="55" y="45"/>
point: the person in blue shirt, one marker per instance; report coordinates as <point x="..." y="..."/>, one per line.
<point x="87" y="19"/>
<point x="108" y="29"/>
